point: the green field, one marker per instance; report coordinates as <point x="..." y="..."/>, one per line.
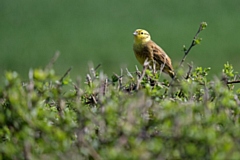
<point x="101" y="32"/>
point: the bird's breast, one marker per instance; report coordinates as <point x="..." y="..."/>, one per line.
<point x="140" y="53"/>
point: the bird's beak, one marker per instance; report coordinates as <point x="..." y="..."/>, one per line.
<point x="135" y="33"/>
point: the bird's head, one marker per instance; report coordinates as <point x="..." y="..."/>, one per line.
<point x="141" y="36"/>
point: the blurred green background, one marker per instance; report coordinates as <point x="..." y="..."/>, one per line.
<point x="101" y="32"/>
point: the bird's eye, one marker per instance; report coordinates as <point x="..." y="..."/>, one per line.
<point x="141" y="32"/>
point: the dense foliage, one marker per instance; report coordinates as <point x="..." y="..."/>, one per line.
<point x="128" y="116"/>
<point x="131" y="115"/>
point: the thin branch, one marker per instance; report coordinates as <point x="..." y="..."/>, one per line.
<point x="232" y="82"/>
<point x="138" y="73"/>
<point x="94" y="99"/>
<point x="89" y="80"/>
<point x="129" y="74"/>
<point x="163" y="65"/>
<point x="66" y="73"/>
<point x="186" y="51"/>
<point x="77" y="88"/>
<point x="154" y="68"/>
<point x="189" y="71"/>
<point x="52" y="61"/>
<point x="97" y="67"/>
<point x="119" y="78"/>
<point x="226" y="82"/>
<point x="93" y="70"/>
<point x="105" y="86"/>
<point x="187" y="76"/>
<point x="145" y="65"/>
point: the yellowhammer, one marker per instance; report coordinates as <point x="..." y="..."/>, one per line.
<point x="144" y="48"/>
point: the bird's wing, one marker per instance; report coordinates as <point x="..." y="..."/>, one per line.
<point x="160" y="56"/>
<point x="145" y="52"/>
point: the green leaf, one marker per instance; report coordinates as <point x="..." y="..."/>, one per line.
<point x="198" y="40"/>
<point x="203" y="25"/>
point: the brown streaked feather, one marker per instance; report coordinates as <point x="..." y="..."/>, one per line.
<point x="161" y="57"/>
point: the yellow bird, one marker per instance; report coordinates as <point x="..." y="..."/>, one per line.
<point x="144" y="48"/>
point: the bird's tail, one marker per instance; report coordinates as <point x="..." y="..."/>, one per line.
<point x="171" y="74"/>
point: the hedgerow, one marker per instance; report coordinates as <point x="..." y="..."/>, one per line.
<point x="130" y="115"/>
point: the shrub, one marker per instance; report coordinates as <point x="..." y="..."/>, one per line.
<point x="128" y="116"/>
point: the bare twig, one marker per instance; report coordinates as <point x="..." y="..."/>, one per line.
<point x="226" y="82"/>
<point x="163" y="65"/>
<point x="119" y="79"/>
<point x="232" y="82"/>
<point x="105" y="86"/>
<point x="154" y="68"/>
<point x="52" y="61"/>
<point x="77" y="88"/>
<point x="66" y="73"/>
<point x="129" y="74"/>
<point x="161" y="68"/>
<point x="189" y="71"/>
<point x="138" y="73"/>
<point x="145" y="65"/>
<point x="93" y="70"/>
<point x="89" y="80"/>
<point x="94" y="100"/>
<point x="97" y="67"/>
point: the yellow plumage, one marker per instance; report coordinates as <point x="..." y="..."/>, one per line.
<point x="144" y="48"/>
